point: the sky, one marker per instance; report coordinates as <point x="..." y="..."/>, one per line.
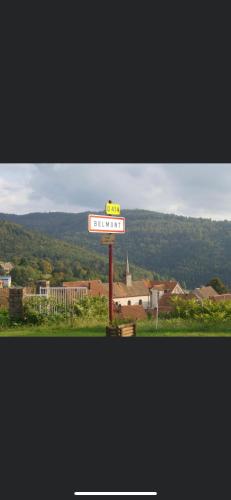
<point x="196" y="190"/>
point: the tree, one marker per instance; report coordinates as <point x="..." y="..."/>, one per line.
<point x="24" y="275"/>
<point x="57" y="279"/>
<point x="218" y="285"/>
<point x="45" y="266"/>
<point x="2" y="271"/>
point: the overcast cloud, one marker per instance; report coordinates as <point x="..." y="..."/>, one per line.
<point x="199" y="190"/>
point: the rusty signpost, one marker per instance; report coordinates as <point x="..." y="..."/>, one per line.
<point x="107" y="239"/>
<point x="109" y="225"/>
<point x="110" y="263"/>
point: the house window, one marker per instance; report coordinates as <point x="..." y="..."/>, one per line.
<point x="140" y="302"/>
<point x="129" y="302"/>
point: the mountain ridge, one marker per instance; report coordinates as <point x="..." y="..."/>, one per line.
<point x="33" y="250"/>
<point x="190" y="249"/>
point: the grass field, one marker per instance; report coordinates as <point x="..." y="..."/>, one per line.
<point x="166" y="328"/>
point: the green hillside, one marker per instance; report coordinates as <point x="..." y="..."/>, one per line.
<point x="189" y="249"/>
<point x="37" y="255"/>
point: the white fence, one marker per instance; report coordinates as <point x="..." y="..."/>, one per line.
<point x="60" y="299"/>
<point x="64" y="294"/>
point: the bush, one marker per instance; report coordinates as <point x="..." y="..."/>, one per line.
<point x="206" y="311"/>
<point x="92" y="307"/>
<point x="40" y="310"/>
<point x="4" y="318"/>
<point x="36" y="310"/>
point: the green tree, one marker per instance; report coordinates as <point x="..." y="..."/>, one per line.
<point x="24" y="275"/>
<point x="45" y="266"/>
<point x="57" y="279"/>
<point x="218" y="285"/>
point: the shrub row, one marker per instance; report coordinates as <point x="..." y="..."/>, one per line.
<point x="39" y="310"/>
<point x="206" y="311"/>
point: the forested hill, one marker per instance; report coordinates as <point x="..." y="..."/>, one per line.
<point x="189" y="249"/>
<point x="37" y="256"/>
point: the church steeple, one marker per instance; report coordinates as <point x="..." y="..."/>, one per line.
<point x="128" y="275"/>
<point x="127" y="266"/>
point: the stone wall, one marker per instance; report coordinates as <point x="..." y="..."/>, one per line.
<point x="4" y="298"/>
<point x="16" y="303"/>
<point x="16" y="296"/>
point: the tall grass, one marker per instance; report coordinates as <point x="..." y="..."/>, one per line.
<point x="183" y="326"/>
<point x="97" y="328"/>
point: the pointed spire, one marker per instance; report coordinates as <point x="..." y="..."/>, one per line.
<point x="127" y="266"/>
<point x="128" y="277"/>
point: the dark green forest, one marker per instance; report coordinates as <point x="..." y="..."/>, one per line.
<point x="188" y="249"/>
<point x="38" y="256"/>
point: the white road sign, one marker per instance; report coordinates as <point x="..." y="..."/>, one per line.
<point x="105" y="224"/>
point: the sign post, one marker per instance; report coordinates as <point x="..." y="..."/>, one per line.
<point x="108" y="207"/>
<point x="109" y="225"/>
<point x="110" y="256"/>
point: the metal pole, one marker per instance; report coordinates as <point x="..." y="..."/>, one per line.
<point x="110" y="280"/>
<point x="110" y="284"/>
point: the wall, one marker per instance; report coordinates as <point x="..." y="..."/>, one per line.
<point x="16" y="303"/>
<point x="134" y="301"/>
<point x="178" y="289"/>
<point x="4" y="298"/>
<point x="155" y="296"/>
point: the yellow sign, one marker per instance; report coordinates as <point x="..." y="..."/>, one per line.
<point x="112" y="209"/>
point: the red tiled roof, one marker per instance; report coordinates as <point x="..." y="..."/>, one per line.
<point x="120" y="290"/>
<point x="148" y="283"/>
<point x="222" y="297"/>
<point x="164" y="284"/>
<point x="131" y="312"/>
<point x="95" y="287"/>
<point x="205" y="292"/>
<point x="165" y="300"/>
<point x="166" y="304"/>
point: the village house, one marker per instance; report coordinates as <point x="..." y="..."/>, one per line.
<point x="94" y="287"/>
<point x="204" y="292"/>
<point x="222" y="297"/>
<point x="129" y="292"/>
<point x="144" y="293"/>
<point x="5" y="281"/>
<point x="166" y="305"/>
<point x="133" y="313"/>
<point x="158" y="289"/>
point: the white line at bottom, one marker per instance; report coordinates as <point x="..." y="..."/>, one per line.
<point x="115" y="493"/>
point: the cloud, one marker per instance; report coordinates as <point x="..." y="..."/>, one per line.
<point x="199" y="190"/>
<point x="202" y="190"/>
<point x="134" y="186"/>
